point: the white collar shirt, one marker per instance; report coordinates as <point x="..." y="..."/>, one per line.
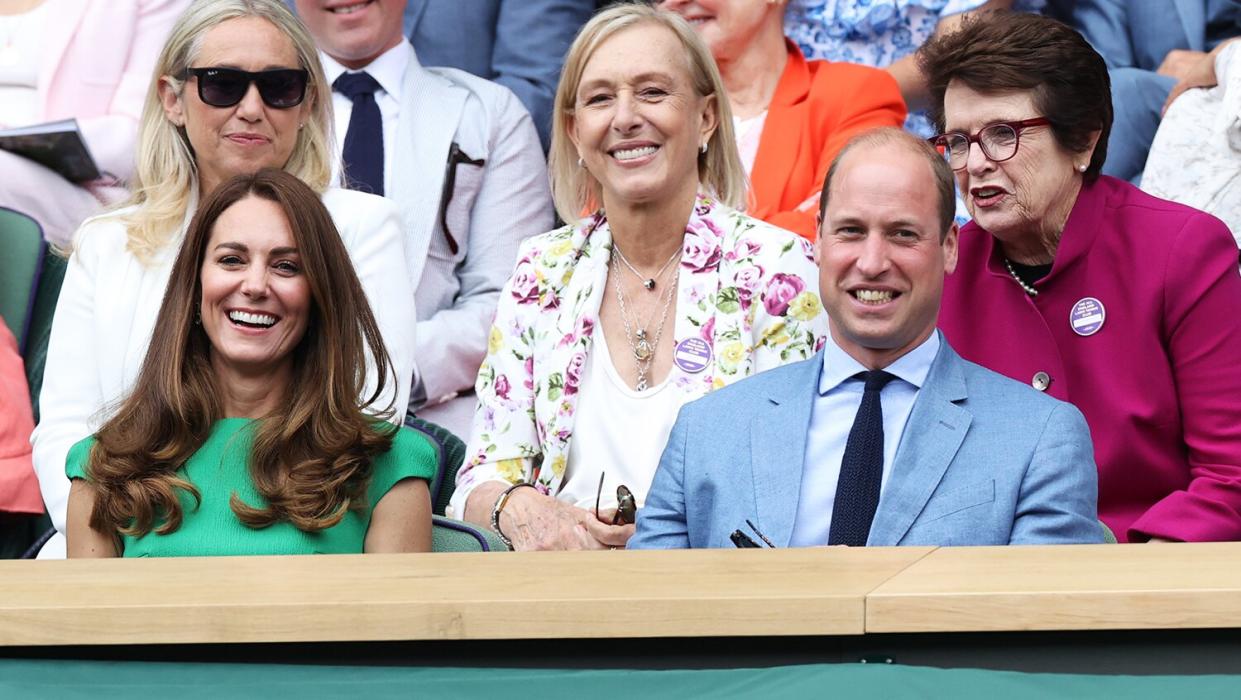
<point x="835" y="406"/>
<point x="388" y="69"/>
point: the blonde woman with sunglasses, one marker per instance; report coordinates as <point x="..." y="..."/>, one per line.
<point x="239" y="88"/>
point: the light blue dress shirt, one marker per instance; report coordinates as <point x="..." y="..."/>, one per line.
<point x="831" y="418"/>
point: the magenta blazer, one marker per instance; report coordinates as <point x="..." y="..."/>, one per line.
<point x="98" y="60"/>
<point x="1159" y="381"/>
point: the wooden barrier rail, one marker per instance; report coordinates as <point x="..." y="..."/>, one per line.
<point x="600" y="595"/>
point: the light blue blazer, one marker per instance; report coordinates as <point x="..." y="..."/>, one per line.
<point x="983" y="460"/>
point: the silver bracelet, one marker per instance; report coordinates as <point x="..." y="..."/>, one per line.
<point x="499" y="506"/>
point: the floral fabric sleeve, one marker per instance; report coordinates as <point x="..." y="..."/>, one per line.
<point x="504" y="442"/>
<point x="789" y="323"/>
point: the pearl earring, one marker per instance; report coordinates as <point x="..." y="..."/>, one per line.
<point x="703" y="149"/>
<point x="1081" y="168"/>
<point x="579" y="161"/>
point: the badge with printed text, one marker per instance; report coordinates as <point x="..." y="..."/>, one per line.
<point x="1087" y="316"/>
<point x="693" y="355"/>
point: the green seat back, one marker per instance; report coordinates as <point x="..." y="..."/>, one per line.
<point x="40" y="326"/>
<point x="21" y="240"/>
<point x="448" y="535"/>
<point x="451" y="455"/>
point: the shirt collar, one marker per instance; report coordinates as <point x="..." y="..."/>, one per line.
<point x="912" y="367"/>
<point x="388" y="69"/>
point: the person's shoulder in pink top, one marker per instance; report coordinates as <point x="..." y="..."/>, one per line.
<point x="19" y="490"/>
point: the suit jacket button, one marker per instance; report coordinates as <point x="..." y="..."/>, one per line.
<point x="1041" y="381"/>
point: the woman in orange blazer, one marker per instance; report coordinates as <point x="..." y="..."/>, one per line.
<point x="791" y="115"/>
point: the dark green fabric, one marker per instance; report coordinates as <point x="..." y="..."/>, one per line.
<point x="35" y="354"/>
<point x="448" y="535"/>
<point x="126" y="681"/>
<point x="21" y="241"/>
<point x="18" y="531"/>
<point x="451" y="455"/>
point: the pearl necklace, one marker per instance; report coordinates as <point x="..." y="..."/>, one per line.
<point x="1028" y="289"/>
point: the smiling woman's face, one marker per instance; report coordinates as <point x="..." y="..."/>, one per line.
<point x="249" y="135"/>
<point x="727" y="26"/>
<point x="256" y="299"/>
<point x="638" y="123"/>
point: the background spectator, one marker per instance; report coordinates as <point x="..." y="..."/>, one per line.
<point x="460" y="156"/>
<point x="245" y="433"/>
<point x="1086" y="287"/>
<point x="85" y="59"/>
<point x="1195" y="158"/>
<point x="200" y="128"/>
<point x="612" y="323"/>
<point x="20" y="504"/>
<point x="519" y="44"/>
<point x="1150" y="48"/>
<point x="884" y="34"/>
<point x="791" y="116"/>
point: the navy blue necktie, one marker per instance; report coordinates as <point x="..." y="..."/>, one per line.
<point x="363" y="154"/>
<point x="861" y="469"/>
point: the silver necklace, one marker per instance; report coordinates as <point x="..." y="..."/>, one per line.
<point x="648" y="282"/>
<point x="640" y="343"/>
<point x="1029" y="290"/>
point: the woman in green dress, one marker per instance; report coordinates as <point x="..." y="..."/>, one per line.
<point x="245" y="433"/>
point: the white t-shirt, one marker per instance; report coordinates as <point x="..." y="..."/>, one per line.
<point x="618" y="432"/>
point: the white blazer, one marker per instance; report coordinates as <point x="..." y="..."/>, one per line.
<point x="106" y="313"/>
<point x="492" y="208"/>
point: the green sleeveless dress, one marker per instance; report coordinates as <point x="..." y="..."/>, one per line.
<point x="220" y="468"/>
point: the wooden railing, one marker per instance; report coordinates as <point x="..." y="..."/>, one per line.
<point x="567" y="595"/>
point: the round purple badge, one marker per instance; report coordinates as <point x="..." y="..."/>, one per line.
<point x="693" y="355"/>
<point x="1087" y="316"/>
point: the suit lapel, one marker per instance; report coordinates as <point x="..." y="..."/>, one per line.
<point x="778" y="450"/>
<point x="431" y="109"/>
<point x="932" y="436"/>
<point x="1192" y="14"/>
<point x="59" y="30"/>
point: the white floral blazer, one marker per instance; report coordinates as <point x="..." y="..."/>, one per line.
<point x="748" y="289"/>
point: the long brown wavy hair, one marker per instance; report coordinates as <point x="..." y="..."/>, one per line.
<point x="311" y="456"/>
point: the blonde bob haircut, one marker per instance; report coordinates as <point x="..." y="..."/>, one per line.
<point x="574" y="189"/>
<point x="166" y="174"/>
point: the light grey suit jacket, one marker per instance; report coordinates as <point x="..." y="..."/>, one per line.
<point x="983" y="460"/>
<point x="490" y="209"/>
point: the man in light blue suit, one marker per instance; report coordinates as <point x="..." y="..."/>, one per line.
<point x="519" y="44"/>
<point x="887" y="437"/>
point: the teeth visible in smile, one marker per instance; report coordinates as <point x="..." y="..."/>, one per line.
<point x="350" y="9"/>
<point x="873" y="296"/>
<point x="988" y="192"/>
<point x="252" y="319"/>
<point x="631" y="153"/>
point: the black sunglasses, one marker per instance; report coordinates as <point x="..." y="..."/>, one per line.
<point x="224" y="87"/>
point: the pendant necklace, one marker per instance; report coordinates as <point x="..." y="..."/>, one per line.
<point x="648" y="282"/>
<point x="641" y="344"/>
